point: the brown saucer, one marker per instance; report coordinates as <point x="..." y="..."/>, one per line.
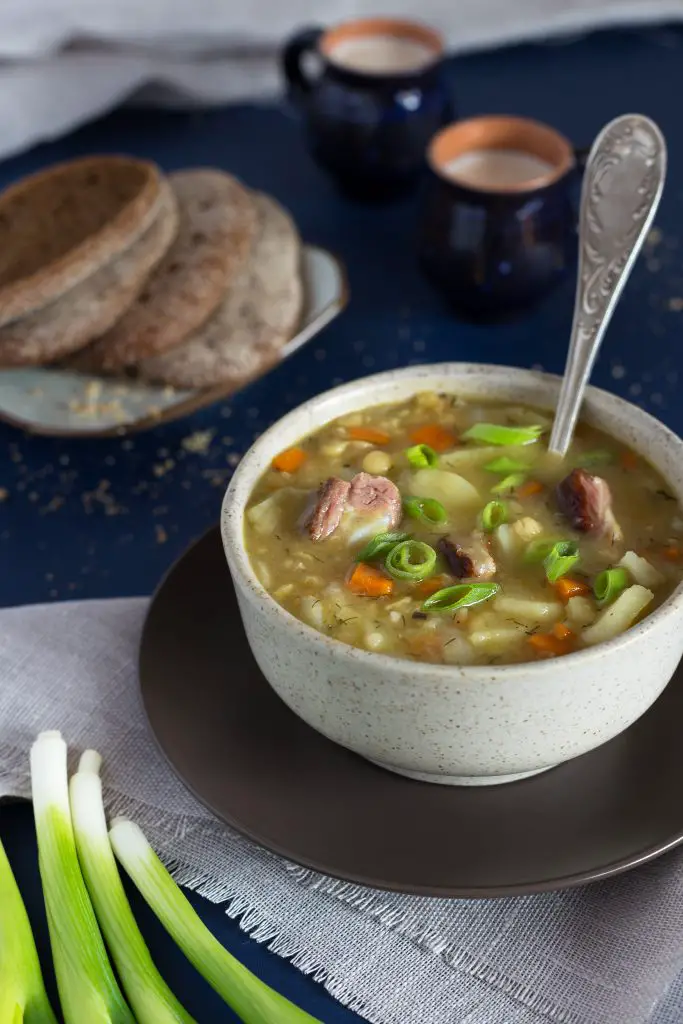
<point x="264" y="772"/>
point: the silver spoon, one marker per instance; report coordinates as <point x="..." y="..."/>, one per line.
<point x="622" y="186"/>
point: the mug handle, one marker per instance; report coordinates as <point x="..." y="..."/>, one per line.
<point x="295" y="49"/>
<point x="581" y="154"/>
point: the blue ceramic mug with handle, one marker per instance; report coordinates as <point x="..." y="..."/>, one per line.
<point x="377" y="98"/>
<point x="497" y="227"/>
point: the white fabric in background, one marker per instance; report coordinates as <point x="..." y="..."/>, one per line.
<point x="604" y="954"/>
<point x="62" y="62"/>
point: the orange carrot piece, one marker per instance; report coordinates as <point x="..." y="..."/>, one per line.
<point x="369" y="582"/>
<point x="430" y="586"/>
<point x="672" y="553"/>
<point x="370" y="434"/>
<point x="628" y="460"/>
<point x="562" y="632"/>
<point x="290" y="460"/>
<point x="435" y="436"/>
<point x="567" y="587"/>
<point x="548" y="645"/>
<point x="528" y="489"/>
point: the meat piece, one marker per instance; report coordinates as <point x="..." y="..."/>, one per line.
<point x="324" y="516"/>
<point x="586" y="501"/>
<point x="471" y="560"/>
<point x="377" y="495"/>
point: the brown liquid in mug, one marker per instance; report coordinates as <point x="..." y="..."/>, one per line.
<point x="382" y="54"/>
<point x="496" y="168"/>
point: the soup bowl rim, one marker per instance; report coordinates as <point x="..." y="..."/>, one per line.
<point x="246" y="476"/>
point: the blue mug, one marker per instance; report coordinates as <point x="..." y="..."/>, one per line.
<point x="497" y="223"/>
<point x="377" y="99"/>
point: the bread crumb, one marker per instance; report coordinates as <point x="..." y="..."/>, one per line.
<point x="53" y="505"/>
<point x="676" y="304"/>
<point x="199" y="442"/>
<point x="162" y="468"/>
<point x="654" y="237"/>
<point x="4" y="494"/>
<point x="161" y="534"/>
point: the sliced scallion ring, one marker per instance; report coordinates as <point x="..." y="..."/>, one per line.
<point x="461" y="595"/>
<point x="599" y="457"/>
<point x="509" y="483"/>
<point x="421" y="456"/>
<point x="492" y="515"/>
<point x="608" y="584"/>
<point x="411" y="560"/>
<point x="504" y="464"/>
<point x="538" y="550"/>
<point x="493" y="433"/>
<point x="562" y="557"/>
<point x="426" y="510"/>
<point x="380" y="545"/>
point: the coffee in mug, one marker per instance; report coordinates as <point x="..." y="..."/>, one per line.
<point x="496" y="168"/>
<point x="381" y="54"/>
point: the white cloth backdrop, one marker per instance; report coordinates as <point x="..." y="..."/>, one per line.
<point x="63" y="62"/>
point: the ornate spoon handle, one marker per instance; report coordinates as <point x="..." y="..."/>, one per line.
<point x="622" y="186"/>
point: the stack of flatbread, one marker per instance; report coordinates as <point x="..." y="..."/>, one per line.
<point x="109" y="267"/>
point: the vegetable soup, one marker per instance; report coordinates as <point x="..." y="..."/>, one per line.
<point x="442" y="530"/>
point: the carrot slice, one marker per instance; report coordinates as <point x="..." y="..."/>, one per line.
<point x="370" y="434"/>
<point x="528" y="489"/>
<point x="567" y="587"/>
<point x="549" y="645"/>
<point x="628" y="460"/>
<point x="672" y="553"/>
<point x="290" y="460"/>
<point x="561" y="631"/>
<point x="369" y="582"/>
<point x="435" y="436"/>
<point x="430" y="586"/>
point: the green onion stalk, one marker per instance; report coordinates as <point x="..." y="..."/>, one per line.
<point x="150" y="997"/>
<point x="411" y="560"/>
<point x="253" y="1001"/>
<point x="23" y="999"/>
<point x="88" y="991"/>
<point x="493" y="433"/>
<point x="461" y="595"/>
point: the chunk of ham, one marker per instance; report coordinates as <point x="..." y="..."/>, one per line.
<point x="469" y="560"/>
<point x="324" y="514"/>
<point x="586" y="501"/>
<point x="365" y="506"/>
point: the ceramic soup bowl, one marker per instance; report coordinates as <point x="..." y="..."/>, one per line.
<point x="458" y="725"/>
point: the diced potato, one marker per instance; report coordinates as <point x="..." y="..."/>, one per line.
<point x="506" y="541"/>
<point x="580" y="611"/>
<point x="619" y="616"/>
<point x="448" y="488"/>
<point x="333" y="448"/>
<point x="529" y="611"/>
<point x="457" y="650"/>
<point x="641" y="570"/>
<point x="266" y="517"/>
<point x="284" y="591"/>
<point x="495" y="641"/>
<point x="527" y="528"/>
<point x="263" y="573"/>
<point x="312" y="611"/>
<point x="376" y="640"/>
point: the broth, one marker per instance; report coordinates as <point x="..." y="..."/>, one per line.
<point x="441" y="530"/>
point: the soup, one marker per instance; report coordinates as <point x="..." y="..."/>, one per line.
<point x="442" y="530"/>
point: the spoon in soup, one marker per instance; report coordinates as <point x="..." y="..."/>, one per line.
<point x="622" y="186"/>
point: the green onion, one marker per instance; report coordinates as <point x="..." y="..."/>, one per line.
<point x="22" y="992"/>
<point x="562" y="557"/>
<point x="538" y="550"/>
<point x="600" y="457"/>
<point x="492" y="433"/>
<point x="411" y="560"/>
<point x="504" y="464"/>
<point x="380" y="545"/>
<point x="150" y="997"/>
<point x="427" y="510"/>
<point x="509" y="483"/>
<point x="494" y="514"/>
<point x="88" y="990"/>
<point x="461" y="595"/>
<point x="608" y="584"/>
<point x="253" y="1001"/>
<point x="421" y="456"/>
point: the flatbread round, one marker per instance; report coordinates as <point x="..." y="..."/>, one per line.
<point x="58" y="226"/>
<point x="217" y="225"/>
<point x="256" y="319"/>
<point x="92" y="306"/>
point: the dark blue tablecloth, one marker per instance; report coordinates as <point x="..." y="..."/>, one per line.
<point x="160" y="495"/>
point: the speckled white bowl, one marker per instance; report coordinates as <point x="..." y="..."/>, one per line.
<point x="469" y="725"/>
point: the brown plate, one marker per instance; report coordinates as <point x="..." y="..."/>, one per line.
<point x="259" y="768"/>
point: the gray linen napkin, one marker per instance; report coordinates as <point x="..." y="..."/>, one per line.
<point x="610" y="953"/>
